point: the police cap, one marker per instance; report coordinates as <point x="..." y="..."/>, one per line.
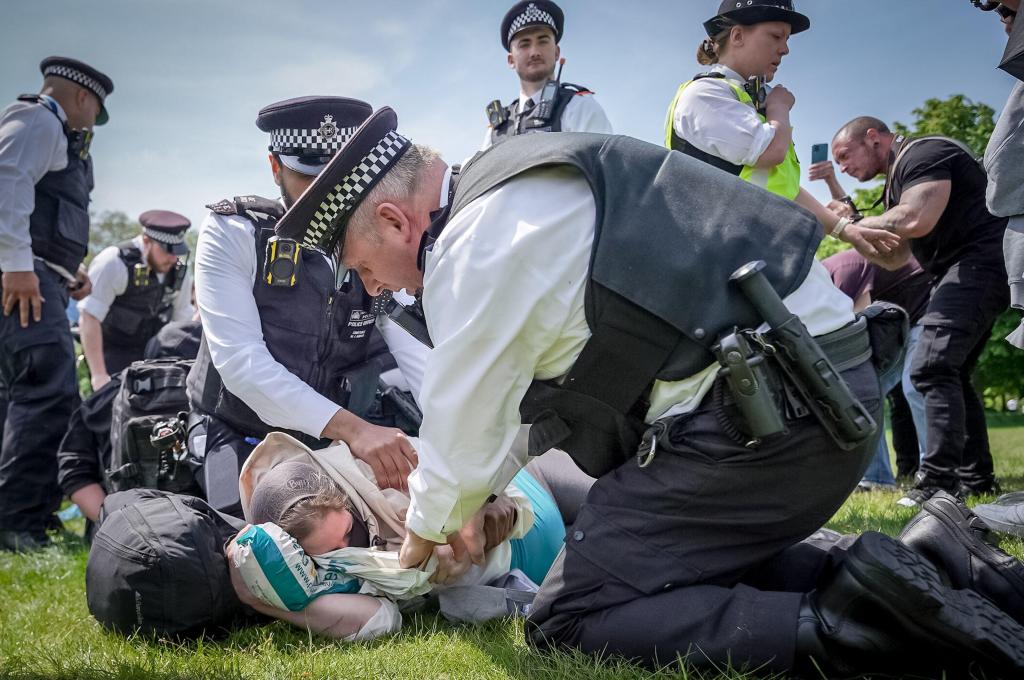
<point x="79" y="72"/>
<point x="166" y="228"/>
<point x="749" y="12"/>
<point x="306" y="132"/>
<point x="319" y="217"/>
<point x="531" y="13"/>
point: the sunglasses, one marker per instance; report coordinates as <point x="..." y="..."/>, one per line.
<point x="1005" y="12"/>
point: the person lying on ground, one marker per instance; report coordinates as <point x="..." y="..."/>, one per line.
<point x="329" y="503"/>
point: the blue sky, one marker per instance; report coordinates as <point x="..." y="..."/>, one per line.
<point x="191" y="75"/>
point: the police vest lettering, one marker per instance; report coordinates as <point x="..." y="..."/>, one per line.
<point x="316" y="330"/>
<point x="657" y="297"/>
<point x="517" y="122"/>
<point x="59" y="224"/>
<point x="145" y="306"/>
<point x="783" y="179"/>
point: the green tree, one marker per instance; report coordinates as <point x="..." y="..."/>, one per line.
<point x="112" y="227"/>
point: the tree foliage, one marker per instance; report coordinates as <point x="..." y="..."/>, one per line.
<point x="112" y="227"/>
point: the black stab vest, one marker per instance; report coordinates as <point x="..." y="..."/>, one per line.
<point x="314" y="329"/>
<point x="59" y="224"/>
<point x="670" y="230"/>
<point x="144" y="307"/>
<point x="517" y="123"/>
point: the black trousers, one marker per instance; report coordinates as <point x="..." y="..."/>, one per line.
<point x="694" y="555"/>
<point x="217" y="453"/>
<point x="37" y="370"/>
<point x="904" y="434"/>
<point x="956" y="326"/>
<point x="118" y="357"/>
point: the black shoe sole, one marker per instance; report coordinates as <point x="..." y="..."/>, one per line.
<point x="952" y="516"/>
<point x="911" y="591"/>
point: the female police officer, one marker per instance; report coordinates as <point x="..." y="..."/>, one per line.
<point x="728" y="118"/>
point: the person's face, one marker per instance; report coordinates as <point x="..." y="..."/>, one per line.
<point x="387" y="262"/>
<point x="534" y="53"/>
<point x="87" y="107"/>
<point x="292" y="183"/>
<point x="331" y="533"/>
<point x="758" y="50"/>
<point x="860" y="159"/>
<point x="159" y="259"/>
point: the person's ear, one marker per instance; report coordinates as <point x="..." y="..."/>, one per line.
<point x="558" y="52"/>
<point x="275" y="168"/>
<point x="511" y="61"/>
<point x="394" y="221"/>
<point x="736" y="35"/>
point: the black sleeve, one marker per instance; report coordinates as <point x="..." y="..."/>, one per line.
<point x="78" y="461"/>
<point x="85" y="449"/>
<point x="927" y="161"/>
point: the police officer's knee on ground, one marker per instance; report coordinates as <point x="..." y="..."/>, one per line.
<point x="683" y="446"/>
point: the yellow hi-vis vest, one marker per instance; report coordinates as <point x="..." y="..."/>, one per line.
<point x="783" y="179"/>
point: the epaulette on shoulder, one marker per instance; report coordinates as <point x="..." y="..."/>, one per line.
<point x="259" y="204"/>
<point x="709" y="74"/>
<point x="224" y="207"/>
<point x="576" y="89"/>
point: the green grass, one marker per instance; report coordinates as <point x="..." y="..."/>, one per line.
<point x="46" y="630"/>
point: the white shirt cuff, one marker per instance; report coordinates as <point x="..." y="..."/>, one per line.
<point x="17" y="262"/>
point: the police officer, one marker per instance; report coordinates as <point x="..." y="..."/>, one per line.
<point x="285" y="330"/>
<point x="690" y="505"/>
<point x="138" y="286"/>
<point x="46" y="176"/>
<point x="728" y="117"/>
<point x="530" y="33"/>
<point x="935" y="200"/>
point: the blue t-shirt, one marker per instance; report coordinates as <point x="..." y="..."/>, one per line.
<point x="535" y="552"/>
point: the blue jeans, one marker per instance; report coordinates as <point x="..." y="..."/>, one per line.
<point x="880" y="469"/>
<point x="914" y="398"/>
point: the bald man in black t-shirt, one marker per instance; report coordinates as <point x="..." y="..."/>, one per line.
<point x="935" y="201"/>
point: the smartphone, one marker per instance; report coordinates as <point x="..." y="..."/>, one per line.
<point x="819" y="153"/>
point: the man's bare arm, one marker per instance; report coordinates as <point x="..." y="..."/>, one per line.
<point x="918" y="211"/>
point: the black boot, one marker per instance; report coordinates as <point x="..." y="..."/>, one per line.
<point x="960" y="544"/>
<point x="22" y="541"/>
<point x="886" y="609"/>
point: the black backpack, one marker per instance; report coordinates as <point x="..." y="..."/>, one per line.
<point x="157" y="566"/>
<point x="147" y="429"/>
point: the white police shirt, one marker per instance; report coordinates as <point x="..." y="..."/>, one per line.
<point x="109" y="278"/>
<point x="32" y="143"/>
<point x="709" y="116"/>
<point x="503" y="294"/>
<point x="225" y="275"/>
<point x="581" y="114"/>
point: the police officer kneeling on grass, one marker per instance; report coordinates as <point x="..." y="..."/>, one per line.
<point x="592" y="301"/>
<point x="530" y="33"/>
<point x="138" y="287"/>
<point x="286" y="331"/>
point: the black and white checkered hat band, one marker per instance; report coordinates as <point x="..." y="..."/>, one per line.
<point x="164" y="237"/>
<point x="77" y="76"/>
<point x="345" y="196"/>
<point x="532" y="15"/>
<point x="309" y="140"/>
